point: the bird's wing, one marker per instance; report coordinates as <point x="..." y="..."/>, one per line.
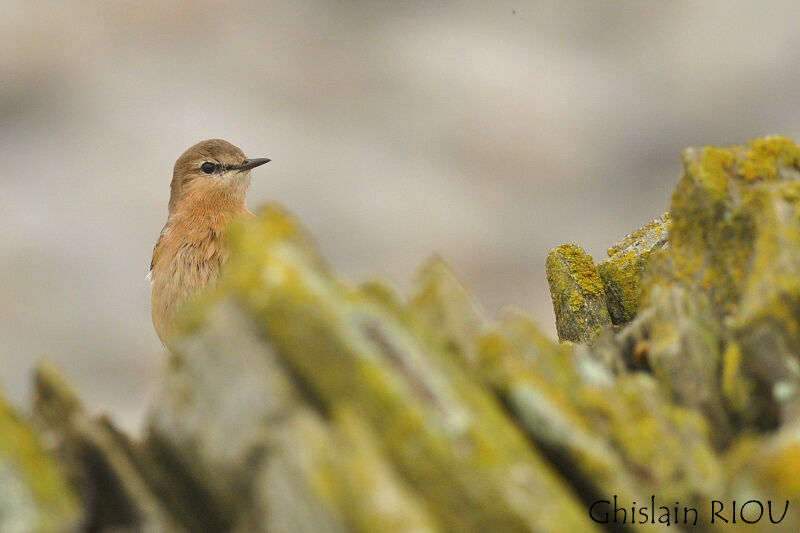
<point x="164" y="232"/>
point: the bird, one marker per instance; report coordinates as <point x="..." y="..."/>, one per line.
<point x="208" y="189"/>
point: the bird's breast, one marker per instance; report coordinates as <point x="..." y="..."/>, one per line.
<point x="186" y="262"/>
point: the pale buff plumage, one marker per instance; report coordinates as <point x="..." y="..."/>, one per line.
<point x="188" y="254"/>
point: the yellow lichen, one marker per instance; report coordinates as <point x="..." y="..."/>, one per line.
<point x="734" y="388"/>
<point x="622" y="280"/>
<point x="791" y="193"/>
<point x="764" y="157"/>
<point x="718" y="258"/>
<point x="576" y="301"/>
<point x="782" y="469"/>
<point x="21" y="450"/>
<point x="714" y="168"/>
<point x="582" y="269"/>
<point x="652" y="231"/>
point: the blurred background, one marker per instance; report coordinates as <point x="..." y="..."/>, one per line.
<point x="486" y="132"/>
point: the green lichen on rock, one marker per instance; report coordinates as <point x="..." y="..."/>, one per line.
<point x="445" y="309"/>
<point x="577" y="292"/>
<point x="734" y="237"/>
<point x="765" y="324"/>
<point x="34" y="493"/>
<point x="622" y="272"/>
<point x="444" y="432"/>
<point x="684" y="354"/>
<point x="718" y="211"/>
<point x="729" y="248"/>
<point x="767" y="468"/>
<point x="111" y="473"/>
<point x="297" y="401"/>
<point x="601" y="430"/>
<point x="576" y="301"/>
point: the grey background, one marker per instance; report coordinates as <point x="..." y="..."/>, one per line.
<point x="487" y="132"/>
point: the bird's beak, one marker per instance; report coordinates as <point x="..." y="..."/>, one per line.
<point x="252" y="163"/>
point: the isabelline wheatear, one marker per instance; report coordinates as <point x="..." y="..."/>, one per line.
<point x="209" y="184"/>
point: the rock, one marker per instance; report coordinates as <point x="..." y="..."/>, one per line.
<point x="683" y="353"/>
<point x="735" y="237"/>
<point x="108" y="470"/>
<point x="297" y="401"/>
<point x="333" y="477"/>
<point x="34" y="493"/>
<point x="445" y="309"/>
<point x="717" y="278"/>
<point x="766" y="468"/>
<point x="443" y="432"/>
<point x="579" y="299"/>
<point x="231" y="419"/>
<point x="608" y="435"/>
<point x="622" y="272"/>
<point x="221" y="396"/>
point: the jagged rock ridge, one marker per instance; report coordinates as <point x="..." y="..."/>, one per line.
<point x="297" y="401"/>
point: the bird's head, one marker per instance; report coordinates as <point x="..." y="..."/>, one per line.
<point x="212" y="169"/>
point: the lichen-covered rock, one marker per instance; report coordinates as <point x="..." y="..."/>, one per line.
<point x="296" y="401"/>
<point x="609" y="435"/>
<point x="735" y="237"/>
<point x="222" y="395"/>
<point x="683" y="352"/>
<point x="332" y="477"/>
<point x="719" y="210"/>
<point x="766" y="468"/>
<point x="766" y="324"/>
<point x="622" y="272"/>
<point x="108" y="470"/>
<point x="231" y="419"/>
<point x="35" y="496"/>
<point x="444" y="432"/>
<point x="579" y="299"/>
<point x="444" y="307"/>
<point x="718" y="278"/>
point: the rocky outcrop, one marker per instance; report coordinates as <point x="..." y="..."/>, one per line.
<point x="298" y="401"/>
<point x="34" y="492"/>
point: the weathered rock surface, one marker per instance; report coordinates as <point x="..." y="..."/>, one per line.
<point x="579" y="299"/>
<point x="297" y="401"/>
<point x="34" y="493"/>
<point x="623" y="270"/>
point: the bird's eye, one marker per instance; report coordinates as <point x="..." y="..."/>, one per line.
<point x="208" y="168"/>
